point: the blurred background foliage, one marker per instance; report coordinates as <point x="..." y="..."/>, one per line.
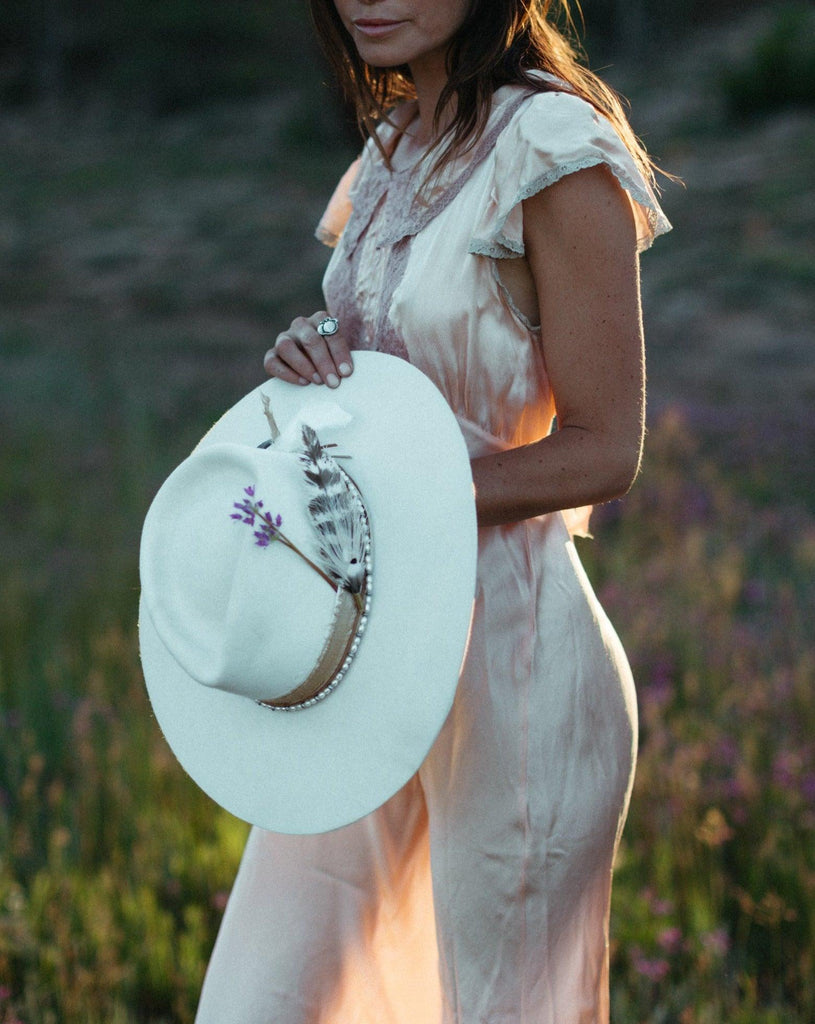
<point x="165" y="56"/>
<point x="162" y="167"/>
<point x="158" y="55"/>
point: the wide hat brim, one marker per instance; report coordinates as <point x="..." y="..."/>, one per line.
<point x="322" y="767"/>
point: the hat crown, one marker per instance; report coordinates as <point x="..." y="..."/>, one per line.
<point x="236" y="613"/>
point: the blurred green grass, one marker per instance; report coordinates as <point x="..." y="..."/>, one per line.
<point x="144" y="268"/>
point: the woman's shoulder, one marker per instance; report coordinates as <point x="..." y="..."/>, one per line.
<point x="553" y="116"/>
<point x="552" y="130"/>
<point x="551" y="133"/>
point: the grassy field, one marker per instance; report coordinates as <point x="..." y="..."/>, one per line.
<point x="144" y="268"/>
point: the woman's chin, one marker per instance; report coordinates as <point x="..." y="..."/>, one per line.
<point x="381" y="56"/>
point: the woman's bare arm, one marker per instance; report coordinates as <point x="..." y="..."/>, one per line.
<point x="581" y="248"/>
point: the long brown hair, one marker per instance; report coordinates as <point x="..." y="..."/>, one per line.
<point x="500" y="42"/>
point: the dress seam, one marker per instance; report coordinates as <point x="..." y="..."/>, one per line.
<point x="506" y="294"/>
<point x="523" y="885"/>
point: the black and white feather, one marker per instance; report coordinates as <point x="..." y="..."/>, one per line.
<point x="337" y="515"/>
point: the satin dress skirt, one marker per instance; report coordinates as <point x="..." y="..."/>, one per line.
<point x="479" y="894"/>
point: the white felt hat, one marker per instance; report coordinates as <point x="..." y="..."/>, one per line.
<point x="356" y="677"/>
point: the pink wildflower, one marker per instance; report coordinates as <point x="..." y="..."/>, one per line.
<point x="670" y="939"/>
<point x="716" y="942"/>
<point x="654" y="969"/>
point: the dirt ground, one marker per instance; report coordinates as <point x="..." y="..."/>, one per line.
<point x="730" y="295"/>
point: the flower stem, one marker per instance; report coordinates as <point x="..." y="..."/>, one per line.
<point x="293" y="547"/>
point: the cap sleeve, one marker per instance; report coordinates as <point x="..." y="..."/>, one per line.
<point x="333" y="221"/>
<point x="554" y="134"/>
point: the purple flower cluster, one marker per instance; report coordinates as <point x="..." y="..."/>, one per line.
<point x="251" y="512"/>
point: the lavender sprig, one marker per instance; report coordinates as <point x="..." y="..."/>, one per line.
<point x="249" y="511"/>
<point x="252" y="513"/>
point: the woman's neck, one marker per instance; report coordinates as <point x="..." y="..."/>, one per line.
<point x="429" y="75"/>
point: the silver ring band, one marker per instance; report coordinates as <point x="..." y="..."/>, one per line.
<point x="327" y="326"/>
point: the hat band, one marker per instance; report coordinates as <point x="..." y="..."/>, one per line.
<point x="348" y="625"/>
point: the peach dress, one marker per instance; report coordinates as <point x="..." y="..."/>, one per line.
<point x="479" y="894"/>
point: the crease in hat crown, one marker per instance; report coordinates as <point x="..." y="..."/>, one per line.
<point x="236" y="607"/>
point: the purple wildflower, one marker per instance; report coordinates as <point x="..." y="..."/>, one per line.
<point x="654" y="969"/>
<point x="716" y="942"/>
<point x="219" y="900"/>
<point x="808" y="786"/>
<point x="787" y="769"/>
<point x="726" y="750"/>
<point x="660" y="907"/>
<point x="670" y="939"/>
<point x="251" y="511"/>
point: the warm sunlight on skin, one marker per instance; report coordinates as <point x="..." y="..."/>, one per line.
<point x="389" y="33"/>
<point x="581" y="269"/>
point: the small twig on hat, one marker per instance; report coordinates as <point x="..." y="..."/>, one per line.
<point x="274" y="430"/>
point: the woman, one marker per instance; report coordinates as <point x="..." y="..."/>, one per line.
<point x="489" y="234"/>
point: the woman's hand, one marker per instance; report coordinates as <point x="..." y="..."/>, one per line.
<point x="305" y="355"/>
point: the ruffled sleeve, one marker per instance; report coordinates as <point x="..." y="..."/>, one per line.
<point x="339" y="209"/>
<point x="554" y="134"/>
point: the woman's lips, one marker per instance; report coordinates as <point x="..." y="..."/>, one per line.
<point x="376" y="27"/>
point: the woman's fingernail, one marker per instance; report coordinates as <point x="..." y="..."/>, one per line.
<point x="316" y="378"/>
<point x="302" y="381"/>
<point x="344" y="369"/>
<point x="332" y="380"/>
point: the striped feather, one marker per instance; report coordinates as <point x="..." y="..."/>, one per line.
<point x="337" y="515"/>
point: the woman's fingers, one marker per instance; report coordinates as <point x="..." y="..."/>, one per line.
<point x="303" y="355"/>
<point x="335" y="344"/>
<point x="290" y="354"/>
<point x="275" y="367"/>
<point x="326" y="351"/>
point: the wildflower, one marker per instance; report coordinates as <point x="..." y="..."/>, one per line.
<point x="716" y="942"/>
<point x="726" y="750"/>
<point x="786" y="769"/>
<point x="251" y="512"/>
<point x="660" y="907"/>
<point x="653" y="968"/>
<point x="219" y="900"/>
<point x="754" y="591"/>
<point x="670" y="939"/>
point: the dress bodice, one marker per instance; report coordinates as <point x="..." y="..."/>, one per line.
<point x="415" y="269"/>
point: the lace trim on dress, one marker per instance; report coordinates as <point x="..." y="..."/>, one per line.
<point x="366" y="196"/>
<point x="412" y="219"/>
<point x="400" y="216"/>
<point x="388" y="339"/>
<point x="501" y="247"/>
<point x="398" y="191"/>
